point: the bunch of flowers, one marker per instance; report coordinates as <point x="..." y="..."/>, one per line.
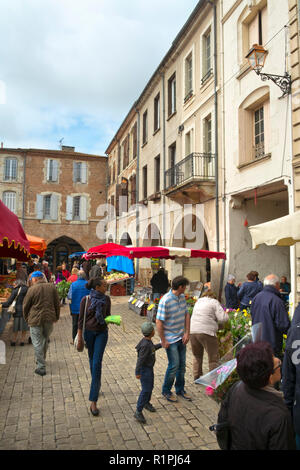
<point x="219" y="380"/>
<point x="238" y="326"/>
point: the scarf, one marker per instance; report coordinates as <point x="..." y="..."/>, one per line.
<point x="98" y="300"/>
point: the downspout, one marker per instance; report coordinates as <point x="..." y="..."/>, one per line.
<point x="216" y="125"/>
<point x="137" y="187"/>
<point x="23" y="188"/>
<point x="164" y="160"/>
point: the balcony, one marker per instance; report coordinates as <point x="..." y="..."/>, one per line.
<point x="192" y="179"/>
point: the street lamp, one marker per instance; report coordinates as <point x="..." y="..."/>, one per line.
<point x="256" y="58"/>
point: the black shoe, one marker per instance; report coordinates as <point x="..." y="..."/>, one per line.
<point x="29" y="340"/>
<point x="94" y="412"/>
<point x="22" y="344"/>
<point x="140" y="417"/>
<point x="12" y="343"/>
<point x="40" y="371"/>
<point x="149" y="407"/>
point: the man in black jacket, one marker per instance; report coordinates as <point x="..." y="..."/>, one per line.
<point x="268" y="308"/>
<point x="291" y="377"/>
<point x="144" y="370"/>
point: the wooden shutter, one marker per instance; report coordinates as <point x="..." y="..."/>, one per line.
<point x="69" y="212"/>
<point x="118" y="194"/>
<point x="83" y="208"/>
<point x="134" y="151"/>
<point x="54" y="207"/>
<point x="83" y="172"/>
<point x="39" y="206"/>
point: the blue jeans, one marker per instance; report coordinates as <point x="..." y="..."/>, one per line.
<point x="147" y="382"/>
<point x="176" y="353"/>
<point x="96" y="343"/>
<point x="298" y="441"/>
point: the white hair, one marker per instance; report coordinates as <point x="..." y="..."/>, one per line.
<point x="98" y="262"/>
<point x="231" y="277"/>
<point x="271" y="280"/>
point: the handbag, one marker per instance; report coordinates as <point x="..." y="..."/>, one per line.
<point x="12" y="308"/>
<point x="83" y="328"/>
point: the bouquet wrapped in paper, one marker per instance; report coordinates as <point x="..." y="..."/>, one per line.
<point x="219" y="380"/>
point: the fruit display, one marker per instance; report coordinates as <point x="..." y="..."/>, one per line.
<point x="4" y="293"/>
<point x="115" y="277"/>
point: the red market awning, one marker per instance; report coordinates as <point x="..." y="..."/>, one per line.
<point x="38" y="246"/>
<point x="113" y="249"/>
<point x="13" y="241"/>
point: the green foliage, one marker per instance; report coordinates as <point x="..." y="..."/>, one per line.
<point x="63" y="289"/>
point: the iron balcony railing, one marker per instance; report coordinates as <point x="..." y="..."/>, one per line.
<point x="196" y="165"/>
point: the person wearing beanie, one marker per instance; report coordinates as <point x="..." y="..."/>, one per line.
<point x="144" y="370"/>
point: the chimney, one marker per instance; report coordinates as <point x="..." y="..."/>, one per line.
<point x="2" y="145"/>
<point x="66" y="148"/>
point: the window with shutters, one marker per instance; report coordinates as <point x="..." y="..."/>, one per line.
<point x="9" y="199"/>
<point x="80" y="172"/>
<point x="52" y="170"/>
<point x="47" y="207"/>
<point x="206" y="56"/>
<point x="252" y="29"/>
<point x="254" y="126"/>
<point x="157" y="173"/>
<point x="207" y="135"/>
<point x="156" y="113"/>
<point x="11" y="169"/>
<point x="145" y="182"/>
<point x="126" y="152"/>
<point x="172" y="95"/>
<point x="76" y="208"/>
<point x="133" y="189"/>
<point x="119" y="159"/>
<point x="188" y="73"/>
<point x="134" y="141"/>
<point x="145" y="127"/>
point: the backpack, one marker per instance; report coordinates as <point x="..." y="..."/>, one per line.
<point x="222" y="428"/>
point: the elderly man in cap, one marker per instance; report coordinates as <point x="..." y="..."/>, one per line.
<point x="41" y="308"/>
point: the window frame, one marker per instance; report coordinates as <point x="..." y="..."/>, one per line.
<point x="11" y="170"/>
<point x="7" y="200"/>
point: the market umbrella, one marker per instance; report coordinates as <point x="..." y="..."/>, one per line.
<point x="37" y="245"/>
<point x="113" y="249"/>
<point x="13" y="241"/>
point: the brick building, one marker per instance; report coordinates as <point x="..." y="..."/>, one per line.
<point x="55" y="194"/>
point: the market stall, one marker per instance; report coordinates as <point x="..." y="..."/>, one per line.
<point x="37" y="245"/>
<point x="13" y="244"/>
<point x="141" y="303"/>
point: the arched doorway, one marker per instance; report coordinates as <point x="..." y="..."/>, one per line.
<point x="190" y="233"/>
<point x="152" y="236"/>
<point x="125" y="239"/>
<point x="59" y="250"/>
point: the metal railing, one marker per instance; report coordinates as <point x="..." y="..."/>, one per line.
<point x="206" y="76"/>
<point x="196" y="165"/>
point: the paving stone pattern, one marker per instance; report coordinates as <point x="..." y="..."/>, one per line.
<point x="52" y="412"/>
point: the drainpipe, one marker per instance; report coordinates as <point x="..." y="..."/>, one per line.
<point x="216" y="125"/>
<point x="164" y="159"/>
<point x="137" y="186"/>
<point x="23" y="188"/>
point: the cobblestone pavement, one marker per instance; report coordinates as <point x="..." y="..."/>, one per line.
<point x="52" y="412"/>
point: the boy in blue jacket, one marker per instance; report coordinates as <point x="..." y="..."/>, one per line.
<point x="144" y="370"/>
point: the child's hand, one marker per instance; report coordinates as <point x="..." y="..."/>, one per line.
<point x="138" y="376"/>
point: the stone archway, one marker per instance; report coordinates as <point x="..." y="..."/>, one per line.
<point x="190" y="233"/>
<point x="152" y="236"/>
<point x="59" y="250"/>
<point x="125" y="239"/>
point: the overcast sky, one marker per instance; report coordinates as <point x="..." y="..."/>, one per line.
<point x="72" y="69"/>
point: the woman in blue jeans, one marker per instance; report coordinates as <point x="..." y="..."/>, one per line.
<point x="95" y="333"/>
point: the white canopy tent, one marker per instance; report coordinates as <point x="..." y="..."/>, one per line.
<point x="284" y="231"/>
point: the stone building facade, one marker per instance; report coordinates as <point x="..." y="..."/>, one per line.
<point x="56" y="194"/>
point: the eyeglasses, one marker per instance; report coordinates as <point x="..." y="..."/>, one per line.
<point x="278" y="365"/>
